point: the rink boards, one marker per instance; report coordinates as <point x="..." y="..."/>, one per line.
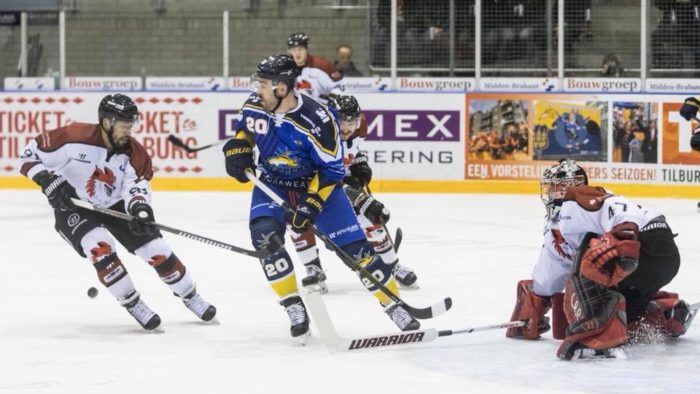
<point x="636" y="144"/>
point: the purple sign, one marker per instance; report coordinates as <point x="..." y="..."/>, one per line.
<point x="228" y="123"/>
<point x="410" y="125"/>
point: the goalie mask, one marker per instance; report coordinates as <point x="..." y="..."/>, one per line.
<point x="557" y="180"/>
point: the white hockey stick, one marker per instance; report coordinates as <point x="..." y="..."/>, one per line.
<point x="336" y="343"/>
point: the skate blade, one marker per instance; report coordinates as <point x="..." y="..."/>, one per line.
<point x="410" y="287"/>
<point x="320" y="288"/>
<point x="157" y="330"/>
<point x="213" y="322"/>
<point x="586" y="354"/>
<point x="302" y="339"/>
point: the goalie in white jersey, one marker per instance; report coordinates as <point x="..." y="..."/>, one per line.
<point x="612" y="256"/>
<point x="102" y="163"/>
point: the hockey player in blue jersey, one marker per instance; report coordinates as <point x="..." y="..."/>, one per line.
<point x="301" y="159"/>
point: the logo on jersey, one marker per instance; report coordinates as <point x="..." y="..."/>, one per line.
<point x="323" y="115"/>
<point x="100" y="180"/>
<point x="283" y="160"/>
<point x="73" y="219"/>
<point x="303" y="84"/>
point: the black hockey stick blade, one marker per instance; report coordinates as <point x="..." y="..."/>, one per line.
<point x="180" y="144"/>
<point x="397" y="239"/>
<point x="182" y="233"/>
<point x="419" y="313"/>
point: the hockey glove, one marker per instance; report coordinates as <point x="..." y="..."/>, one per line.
<point x="57" y="189"/>
<point x="689" y="110"/>
<point x="367" y="205"/>
<point x="695" y="141"/>
<point x="239" y="157"/>
<point x="308" y="209"/>
<point x="360" y="170"/>
<point x="611" y="257"/>
<point x="142" y="213"/>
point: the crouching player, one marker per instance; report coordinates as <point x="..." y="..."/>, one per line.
<point x="612" y="256"/>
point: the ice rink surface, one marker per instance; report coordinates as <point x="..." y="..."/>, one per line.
<point x="473" y="248"/>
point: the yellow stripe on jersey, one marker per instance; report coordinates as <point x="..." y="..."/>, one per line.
<point x="323" y="191"/>
<point x="286" y="285"/>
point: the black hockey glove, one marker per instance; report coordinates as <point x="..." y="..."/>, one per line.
<point x="308" y="209"/>
<point x="57" y="190"/>
<point x="695" y="141"/>
<point x="367" y="205"/>
<point x="689" y="110"/>
<point x="239" y="157"/>
<point x="360" y="170"/>
<point x="142" y="213"/>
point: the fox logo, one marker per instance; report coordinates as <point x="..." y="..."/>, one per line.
<point x="105" y="177"/>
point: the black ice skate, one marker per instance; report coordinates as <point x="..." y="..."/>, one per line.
<point x="298" y="317"/>
<point x="199" y="306"/>
<point x="404" y="275"/>
<point x="143" y="314"/>
<point x="315" y="279"/>
<point x="401" y="318"/>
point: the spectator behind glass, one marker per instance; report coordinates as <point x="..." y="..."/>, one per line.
<point x="611" y="67"/>
<point x="343" y="62"/>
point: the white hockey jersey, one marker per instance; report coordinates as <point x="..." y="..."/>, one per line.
<point x="79" y="154"/>
<point x="351" y="146"/>
<point x="319" y="79"/>
<point x="585" y="209"/>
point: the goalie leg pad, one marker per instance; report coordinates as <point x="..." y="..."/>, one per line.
<point x="530" y="308"/>
<point x="596" y="316"/>
<point x="666" y="315"/>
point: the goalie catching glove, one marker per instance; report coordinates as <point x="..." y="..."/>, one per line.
<point x="613" y="256"/>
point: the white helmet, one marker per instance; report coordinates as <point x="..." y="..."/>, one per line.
<point x="557" y="180"/>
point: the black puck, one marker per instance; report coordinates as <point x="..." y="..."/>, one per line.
<point x="92" y="292"/>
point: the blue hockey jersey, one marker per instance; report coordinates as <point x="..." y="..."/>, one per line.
<point x="298" y="144"/>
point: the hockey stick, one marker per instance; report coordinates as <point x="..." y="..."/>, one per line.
<point x="182" y="233"/>
<point x="180" y="144"/>
<point x="399" y="233"/>
<point x="336" y="343"/>
<point x="419" y="313"/>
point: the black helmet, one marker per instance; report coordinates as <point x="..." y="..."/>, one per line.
<point x="280" y="67"/>
<point x="298" y="40"/>
<point x="118" y="107"/>
<point x="347" y="106"/>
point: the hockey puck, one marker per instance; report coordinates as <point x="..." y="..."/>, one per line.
<point x="92" y="292"/>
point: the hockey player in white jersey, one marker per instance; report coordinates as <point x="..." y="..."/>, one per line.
<point x="371" y="213"/>
<point x="102" y="163"/>
<point x="612" y="256"/>
<point x="318" y="78"/>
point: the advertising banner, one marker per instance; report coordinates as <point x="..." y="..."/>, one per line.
<point x="29" y="83"/>
<point x="185" y="83"/>
<point x="638" y="139"/>
<point x="487" y="84"/>
<point x="102" y="83"/>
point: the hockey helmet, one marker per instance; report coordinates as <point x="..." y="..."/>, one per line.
<point x="277" y="68"/>
<point x="118" y="107"/>
<point x="298" y="40"/>
<point x="557" y="180"/>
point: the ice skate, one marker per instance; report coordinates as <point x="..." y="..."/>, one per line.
<point x="315" y="279"/>
<point x="148" y="319"/>
<point x="402" y="319"/>
<point x="298" y="318"/>
<point x="405" y="276"/>
<point x="199" y="306"/>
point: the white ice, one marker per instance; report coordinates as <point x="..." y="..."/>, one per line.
<point x="474" y="248"/>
